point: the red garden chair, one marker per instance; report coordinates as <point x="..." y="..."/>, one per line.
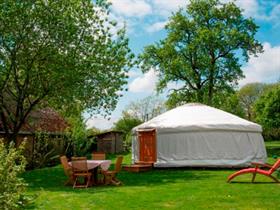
<point x="257" y="170"/>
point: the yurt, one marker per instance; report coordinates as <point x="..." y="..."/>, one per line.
<point x="197" y="135"/>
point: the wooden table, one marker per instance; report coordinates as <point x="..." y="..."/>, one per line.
<point x="93" y="165"/>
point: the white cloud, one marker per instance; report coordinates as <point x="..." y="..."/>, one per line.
<point x="100" y="122"/>
<point x="265" y="67"/>
<point x="165" y="7"/>
<point x="131" y="8"/>
<point x="134" y="12"/>
<point x="122" y="21"/>
<point x="145" y="83"/>
<point x="274" y="15"/>
<point x="251" y="7"/>
<point x="258" y="9"/>
<point x="156" y="27"/>
<point x="133" y="74"/>
<point x="175" y="85"/>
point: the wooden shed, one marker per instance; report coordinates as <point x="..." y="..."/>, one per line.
<point x="110" y="142"/>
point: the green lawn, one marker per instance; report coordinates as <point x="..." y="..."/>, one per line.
<point x="275" y="144"/>
<point x="273" y="148"/>
<point x="157" y="189"/>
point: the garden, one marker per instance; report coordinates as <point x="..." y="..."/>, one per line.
<point x="182" y="188"/>
<point x="64" y="64"/>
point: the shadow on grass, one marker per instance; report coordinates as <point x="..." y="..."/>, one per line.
<point x="53" y="178"/>
<point x="273" y="151"/>
<point x="159" y="177"/>
<point x="249" y="182"/>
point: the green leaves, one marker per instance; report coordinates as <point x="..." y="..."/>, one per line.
<point x="202" y="50"/>
<point x="267" y="107"/>
<point x="248" y="95"/>
<point x="12" y="164"/>
<point x="267" y="111"/>
<point x="125" y="124"/>
<point x="59" y="53"/>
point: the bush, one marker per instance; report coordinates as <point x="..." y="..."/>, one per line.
<point x="77" y="135"/>
<point x="267" y="109"/>
<point x="12" y="164"/>
<point x="46" y="150"/>
<point x="125" y="124"/>
<point x="271" y="134"/>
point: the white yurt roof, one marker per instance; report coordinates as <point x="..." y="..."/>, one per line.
<point x="197" y="117"/>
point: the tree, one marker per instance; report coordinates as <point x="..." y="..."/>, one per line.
<point x="77" y="134"/>
<point x="267" y="108"/>
<point x="247" y="95"/>
<point x="202" y="50"/>
<point x="146" y="108"/>
<point x="93" y="131"/>
<point x="59" y="53"/>
<point x="233" y="105"/>
<point x="125" y="124"/>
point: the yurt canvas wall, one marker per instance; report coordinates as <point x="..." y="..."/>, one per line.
<point x="198" y="135"/>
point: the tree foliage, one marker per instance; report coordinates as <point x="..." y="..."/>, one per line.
<point x="58" y="53"/>
<point x="77" y="134"/>
<point x="125" y="124"/>
<point x="233" y="105"/>
<point x="93" y="131"/>
<point x="267" y="108"/>
<point x="202" y="50"/>
<point x="247" y="95"/>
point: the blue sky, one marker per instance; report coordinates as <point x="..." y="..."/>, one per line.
<point x="145" y="20"/>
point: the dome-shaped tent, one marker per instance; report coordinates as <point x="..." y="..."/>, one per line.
<point x="198" y="135"/>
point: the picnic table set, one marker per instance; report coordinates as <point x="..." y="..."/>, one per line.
<point x="83" y="173"/>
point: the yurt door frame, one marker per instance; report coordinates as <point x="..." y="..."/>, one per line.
<point x="147" y="145"/>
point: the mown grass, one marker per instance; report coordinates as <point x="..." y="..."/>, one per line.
<point x="273" y="149"/>
<point x="275" y="144"/>
<point x="158" y="189"/>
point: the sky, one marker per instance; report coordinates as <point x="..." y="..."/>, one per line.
<point x="145" y="21"/>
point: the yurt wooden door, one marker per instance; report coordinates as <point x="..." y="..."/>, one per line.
<point x="147" y="145"/>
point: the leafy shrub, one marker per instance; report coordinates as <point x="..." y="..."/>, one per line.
<point x="12" y="164"/>
<point x="267" y="109"/>
<point x="77" y="134"/>
<point x="232" y="104"/>
<point x="271" y="134"/>
<point x="125" y="124"/>
<point x="46" y="151"/>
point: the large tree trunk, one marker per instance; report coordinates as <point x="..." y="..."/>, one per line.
<point x="211" y="79"/>
<point x="200" y="96"/>
<point x="210" y="92"/>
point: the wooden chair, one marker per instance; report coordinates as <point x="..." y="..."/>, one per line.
<point x="80" y="170"/>
<point x="110" y="176"/>
<point x="257" y="170"/>
<point x="98" y="156"/>
<point x="67" y="170"/>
